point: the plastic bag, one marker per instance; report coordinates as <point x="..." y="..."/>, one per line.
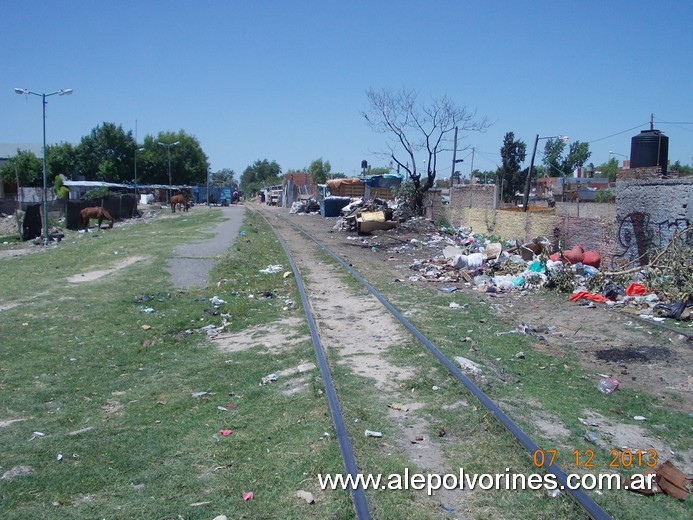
<point x="606" y="386"/>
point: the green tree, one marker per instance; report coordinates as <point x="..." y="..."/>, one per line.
<point x="189" y="163"/>
<point x="61" y="159"/>
<point x="61" y="191"/>
<point x="680" y="168"/>
<point x="262" y="173"/>
<point x="559" y="166"/>
<point x="510" y="178"/>
<point x="24" y="168"/>
<point x="107" y="154"/>
<point x="223" y="177"/>
<point x="319" y="171"/>
<point x="418" y="131"/>
<point x="609" y="169"/>
<point x="485" y="177"/>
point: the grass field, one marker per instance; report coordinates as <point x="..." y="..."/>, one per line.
<point x="119" y="398"/>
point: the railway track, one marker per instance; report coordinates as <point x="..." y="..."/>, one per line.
<point x="283" y="227"/>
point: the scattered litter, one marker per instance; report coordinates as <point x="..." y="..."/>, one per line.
<point x="468" y="366"/>
<point x="199" y="504"/>
<point x="668" y="479"/>
<point x="287" y="274"/>
<point x="216" y="301"/>
<point x="269" y="379"/>
<point x="221" y="517"/>
<point x="447" y="509"/>
<point x="271" y="269"/>
<point x="639" y="418"/>
<point x="608" y="385"/>
<point x="225" y="433"/>
<point x="36" y="435"/>
<point x="197" y="395"/>
<point x="148" y="310"/>
<point x="454" y="305"/>
<point x="146" y="327"/>
<point x="419" y="438"/>
<point x="371" y="433"/>
<point x="83" y="430"/>
<point x="17" y="471"/>
<point x="248" y="496"/>
<point x="520" y="355"/>
<point x="305" y="495"/>
<point x="591" y="437"/>
<point x="553" y="493"/>
<point x="59" y="457"/>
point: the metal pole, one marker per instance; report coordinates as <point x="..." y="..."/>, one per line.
<point x="45" y="179"/>
<point x="136" y="197"/>
<point x="170" y="187"/>
<point x="529" y="175"/>
<point x="207" y="187"/>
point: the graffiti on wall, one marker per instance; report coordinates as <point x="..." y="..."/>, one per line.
<point x="638" y="236"/>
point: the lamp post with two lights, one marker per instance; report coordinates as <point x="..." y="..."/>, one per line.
<point x="43" y="96"/>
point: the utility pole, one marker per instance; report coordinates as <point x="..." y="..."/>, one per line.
<point x="471" y="170"/>
<point x="454" y="163"/>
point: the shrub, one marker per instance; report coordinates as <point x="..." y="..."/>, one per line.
<point x="97" y="193"/>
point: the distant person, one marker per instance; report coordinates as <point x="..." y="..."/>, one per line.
<point x="235" y="197"/>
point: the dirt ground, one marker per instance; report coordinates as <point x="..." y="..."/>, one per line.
<point x="644" y="356"/>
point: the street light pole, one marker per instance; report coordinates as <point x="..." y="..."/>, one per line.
<point x="168" y="150"/>
<point x="208" y="172"/>
<point x="136" y="197"/>
<point x="62" y="92"/>
<point x="528" y="182"/>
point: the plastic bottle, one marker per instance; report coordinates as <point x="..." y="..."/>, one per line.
<point x="606" y="386"/>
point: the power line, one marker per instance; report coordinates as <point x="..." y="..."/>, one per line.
<point x="676" y="124"/>
<point x="617" y="133"/>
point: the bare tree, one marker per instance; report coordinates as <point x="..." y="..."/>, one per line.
<point x="418" y="131"/>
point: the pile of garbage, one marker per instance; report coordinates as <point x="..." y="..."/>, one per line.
<point x="365" y="216"/>
<point x="488" y="265"/>
<point x="310" y="206"/>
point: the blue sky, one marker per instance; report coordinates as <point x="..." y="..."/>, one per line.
<point x="287" y="80"/>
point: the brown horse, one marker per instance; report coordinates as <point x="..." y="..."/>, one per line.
<point x="179" y="199"/>
<point x="98" y="213"/>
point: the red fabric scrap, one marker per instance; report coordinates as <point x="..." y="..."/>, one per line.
<point x="636" y="289"/>
<point x="226" y="433"/>
<point x="585" y="295"/>
<point x="248" y="496"/>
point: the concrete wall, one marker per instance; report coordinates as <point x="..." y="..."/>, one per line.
<point x="649" y="211"/>
<point x="593" y="226"/>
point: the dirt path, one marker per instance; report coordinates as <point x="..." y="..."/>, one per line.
<point x="357" y="331"/>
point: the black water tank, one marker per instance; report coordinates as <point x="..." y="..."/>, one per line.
<point x="649" y="148"/>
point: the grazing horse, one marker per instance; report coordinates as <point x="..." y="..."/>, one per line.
<point x="179" y="199"/>
<point x="99" y="213"/>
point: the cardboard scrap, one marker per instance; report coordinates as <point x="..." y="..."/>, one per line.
<point x="668" y="479"/>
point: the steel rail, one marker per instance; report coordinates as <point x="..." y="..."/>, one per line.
<point x="358" y="494"/>
<point x="593" y="509"/>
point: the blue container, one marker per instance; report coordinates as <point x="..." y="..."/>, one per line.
<point x="332" y="206"/>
